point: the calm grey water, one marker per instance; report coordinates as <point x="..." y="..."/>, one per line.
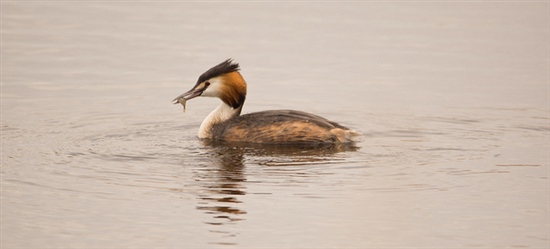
<point x="452" y="100"/>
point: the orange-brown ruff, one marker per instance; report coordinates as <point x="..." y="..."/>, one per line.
<point x="267" y="127"/>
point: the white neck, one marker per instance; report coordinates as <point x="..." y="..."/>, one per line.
<point x="220" y="114"/>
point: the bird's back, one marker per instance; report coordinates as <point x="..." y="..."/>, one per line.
<point x="281" y="127"/>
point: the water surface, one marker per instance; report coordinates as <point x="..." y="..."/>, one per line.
<point x="452" y="100"/>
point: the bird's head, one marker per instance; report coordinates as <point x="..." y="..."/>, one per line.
<point x="222" y="81"/>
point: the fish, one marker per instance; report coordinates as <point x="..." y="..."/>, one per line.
<point x="182" y="101"/>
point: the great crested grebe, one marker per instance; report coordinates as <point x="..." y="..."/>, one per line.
<point x="284" y="127"/>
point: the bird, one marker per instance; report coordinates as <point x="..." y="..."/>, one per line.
<point x="275" y="127"/>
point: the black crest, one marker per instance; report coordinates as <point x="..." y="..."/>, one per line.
<point x="225" y="67"/>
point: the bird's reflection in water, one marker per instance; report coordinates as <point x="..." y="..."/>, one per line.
<point x="223" y="181"/>
<point x="222" y="185"/>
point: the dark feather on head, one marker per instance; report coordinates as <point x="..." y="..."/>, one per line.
<point x="227" y="66"/>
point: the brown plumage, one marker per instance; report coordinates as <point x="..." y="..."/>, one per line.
<point x="279" y="127"/>
<point x="267" y="127"/>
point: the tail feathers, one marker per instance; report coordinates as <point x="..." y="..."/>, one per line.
<point x="345" y="136"/>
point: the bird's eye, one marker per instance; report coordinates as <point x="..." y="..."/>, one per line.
<point x="206" y="84"/>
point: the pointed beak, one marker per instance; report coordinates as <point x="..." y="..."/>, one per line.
<point x="188" y="95"/>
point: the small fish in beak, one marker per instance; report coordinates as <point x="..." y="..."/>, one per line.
<point x="182" y="101"/>
<point x="193" y="93"/>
